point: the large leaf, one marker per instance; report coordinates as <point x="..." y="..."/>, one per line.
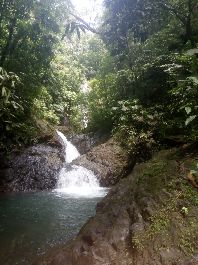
<point x="188" y="110"/>
<point x="189" y="119"/>
<point x="194" y="79"/>
<point x="3" y="92"/>
<point x="192" y="52"/>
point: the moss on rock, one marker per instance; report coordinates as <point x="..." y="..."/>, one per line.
<point x="150" y="218"/>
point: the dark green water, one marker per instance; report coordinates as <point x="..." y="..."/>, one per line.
<point x="32" y="223"/>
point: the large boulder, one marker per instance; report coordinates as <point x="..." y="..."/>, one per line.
<point x="85" y="142"/>
<point x="109" y="161"/>
<point x="148" y="218"/>
<point x="35" y="168"/>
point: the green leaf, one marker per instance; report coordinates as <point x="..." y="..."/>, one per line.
<point x="191" y="118"/>
<point x="7" y="96"/>
<point x="192" y="52"/>
<point x="3" y="91"/>
<point x="193" y="171"/>
<point x="194" y="79"/>
<point x="7" y="128"/>
<point x="13" y="84"/>
<point x="188" y="110"/>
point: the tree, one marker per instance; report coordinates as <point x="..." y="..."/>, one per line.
<point x="30" y="34"/>
<point x="146" y="40"/>
<point x="128" y="22"/>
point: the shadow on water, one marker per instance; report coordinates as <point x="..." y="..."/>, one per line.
<point x="32" y="223"/>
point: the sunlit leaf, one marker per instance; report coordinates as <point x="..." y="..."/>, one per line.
<point x="3" y="92"/>
<point x="188" y="110"/>
<point x="192" y="52"/>
<point x="194" y="79"/>
<point x="191" y="118"/>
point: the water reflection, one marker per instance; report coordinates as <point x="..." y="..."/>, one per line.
<point x="32" y="223"/>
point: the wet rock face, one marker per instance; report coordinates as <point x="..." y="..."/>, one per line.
<point x="109" y="161"/>
<point x="139" y="223"/>
<point x="36" y="168"/>
<point x="85" y="142"/>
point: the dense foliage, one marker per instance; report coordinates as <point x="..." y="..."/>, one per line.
<point x="151" y="91"/>
<point x="40" y="75"/>
<point x="141" y="65"/>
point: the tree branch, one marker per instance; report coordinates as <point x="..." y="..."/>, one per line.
<point x="88" y="27"/>
<point x="174" y="11"/>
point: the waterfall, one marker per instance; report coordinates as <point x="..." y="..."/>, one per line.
<point x="77" y="180"/>
<point x="71" y="152"/>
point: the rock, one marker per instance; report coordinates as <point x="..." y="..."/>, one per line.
<point x="109" y="161"/>
<point x="85" y="142"/>
<point x="35" y="168"/>
<point x="46" y="133"/>
<point x="134" y="225"/>
<point x="82" y="142"/>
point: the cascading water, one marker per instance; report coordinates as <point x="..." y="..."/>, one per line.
<point x="33" y="223"/>
<point x="77" y="180"/>
<point x="71" y="152"/>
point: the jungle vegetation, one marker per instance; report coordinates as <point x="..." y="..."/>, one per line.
<point x="141" y="63"/>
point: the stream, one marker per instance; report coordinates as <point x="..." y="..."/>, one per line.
<point x="32" y="223"/>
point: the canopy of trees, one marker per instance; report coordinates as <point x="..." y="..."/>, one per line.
<point x="40" y="76"/>
<point x="141" y="64"/>
<point x="150" y="91"/>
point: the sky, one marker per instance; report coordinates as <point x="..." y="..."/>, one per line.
<point x="89" y="10"/>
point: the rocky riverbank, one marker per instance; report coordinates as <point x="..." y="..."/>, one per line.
<point x="150" y="218"/>
<point x="109" y="161"/>
<point x="37" y="167"/>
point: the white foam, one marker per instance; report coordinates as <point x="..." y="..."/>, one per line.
<point x="71" y="152"/>
<point x="78" y="181"/>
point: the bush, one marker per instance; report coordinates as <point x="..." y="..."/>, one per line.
<point x="15" y="125"/>
<point x="135" y="126"/>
